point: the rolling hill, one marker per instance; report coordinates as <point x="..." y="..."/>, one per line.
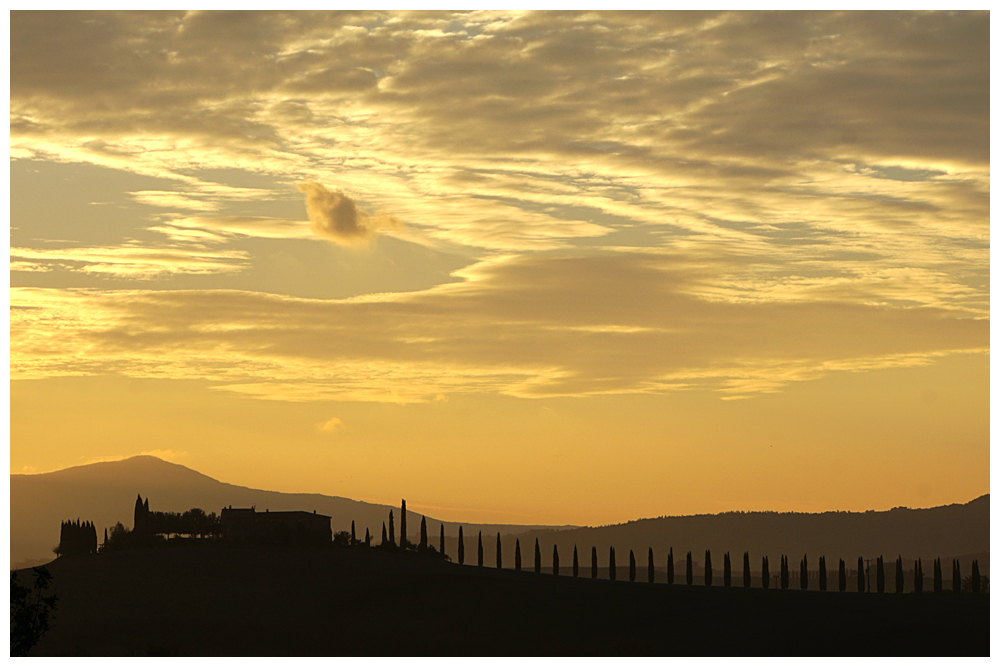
<point x="105" y="493"/>
<point x="207" y="599"/>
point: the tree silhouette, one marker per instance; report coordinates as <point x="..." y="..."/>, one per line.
<point x="938" y="578"/>
<point x="442" y="540"/>
<point x="76" y="538"/>
<point x="918" y="577"/>
<point x="480" y="548"/>
<point x="842" y="576"/>
<point x="651" y="571"/>
<point x="517" y="555"/>
<point x="670" y="566"/>
<point x="538" y="558"/>
<point x="822" y="573"/>
<point x="423" y="533"/>
<point x="385" y="540"/>
<point x="727" y="571"/>
<point x="899" y="574"/>
<point x="631" y="566"/>
<point x="746" y="569"/>
<point x="368" y="537"/>
<point x="392" y="530"/>
<point x="690" y="570"/>
<point x="804" y="574"/>
<point x="354" y="537"/>
<point x="461" y="546"/>
<point x="861" y="574"/>
<point x="105" y="537"/>
<point x="765" y="574"/>
<point x="499" y="553"/>
<point x="612" y="567"/>
<point x="593" y="562"/>
<point x="879" y="575"/>
<point x="402" y="525"/>
<point x="30" y="611"/>
<point x="708" y="567"/>
<point x="576" y="563"/>
<point x="555" y="559"/>
<point x="784" y="573"/>
<point x="976" y="580"/>
<point x="956" y="577"/>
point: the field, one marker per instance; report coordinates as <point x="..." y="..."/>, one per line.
<point x="217" y="599"/>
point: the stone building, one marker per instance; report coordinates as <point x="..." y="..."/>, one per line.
<point x="250" y="526"/>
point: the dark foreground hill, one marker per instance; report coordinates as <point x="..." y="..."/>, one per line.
<point x="217" y="599"/>
<point x="104" y="493"/>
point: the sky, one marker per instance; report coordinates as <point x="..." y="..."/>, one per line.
<point x="557" y="268"/>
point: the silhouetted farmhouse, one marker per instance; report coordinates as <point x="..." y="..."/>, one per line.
<point x="249" y="525"/>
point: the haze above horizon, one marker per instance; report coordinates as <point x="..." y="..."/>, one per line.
<point x="547" y="268"/>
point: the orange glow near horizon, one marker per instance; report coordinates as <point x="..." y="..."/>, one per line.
<point x="570" y="268"/>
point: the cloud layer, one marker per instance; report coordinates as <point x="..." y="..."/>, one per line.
<point x="564" y="325"/>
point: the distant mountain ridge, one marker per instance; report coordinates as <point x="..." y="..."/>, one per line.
<point x="105" y="494"/>
<point x="947" y="531"/>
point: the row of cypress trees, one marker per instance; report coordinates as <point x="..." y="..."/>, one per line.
<point x="783" y="577"/>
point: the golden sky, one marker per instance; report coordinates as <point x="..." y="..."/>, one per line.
<point x="514" y="267"/>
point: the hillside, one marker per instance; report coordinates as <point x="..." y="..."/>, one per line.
<point x="213" y="599"/>
<point x="105" y="494"/>
<point x="947" y="532"/>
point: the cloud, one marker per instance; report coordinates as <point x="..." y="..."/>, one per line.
<point x="331" y="425"/>
<point x="561" y="324"/>
<point x="336" y="216"/>
<point x="136" y="262"/>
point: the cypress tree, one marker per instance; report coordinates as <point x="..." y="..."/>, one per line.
<point x="631" y="566"/>
<point x="727" y="571"/>
<point x="105" y="536"/>
<point x="368" y="537"/>
<point x="804" y="574"/>
<point x="517" y="555"/>
<point x="576" y="563"/>
<point x="538" y="558"/>
<point x="442" y="539"/>
<point x="499" y="557"/>
<point x="402" y="526"/>
<point x="651" y="571"/>
<point x="956" y="576"/>
<point x="918" y="577"/>
<point x="899" y="574"/>
<point x="461" y="546"/>
<point x="480" y="548"/>
<point x="690" y="570"/>
<point x="708" y="567"/>
<point x="861" y="574"/>
<point x="423" y="533"/>
<point x="593" y="562"/>
<point x="392" y="530"/>
<point x="612" y="567"/>
<point x="555" y="559"/>
<point x="842" y="576"/>
<point x="784" y="573"/>
<point x="354" y="538"/>
<point x="670" y="566"/>
<point x="746" y="569"/>
<point x="879" y="575"/>
<point x="765" y="574"/>
<point x="822" y="573"/>
<point x="976" y="580"/>
<point x="385" y="540"/>
<point x="938" y="578"/>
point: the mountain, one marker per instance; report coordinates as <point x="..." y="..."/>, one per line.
<point x="211" y="598"/>
<point x="952" y="531"/>
<point x="105" y="493"/>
